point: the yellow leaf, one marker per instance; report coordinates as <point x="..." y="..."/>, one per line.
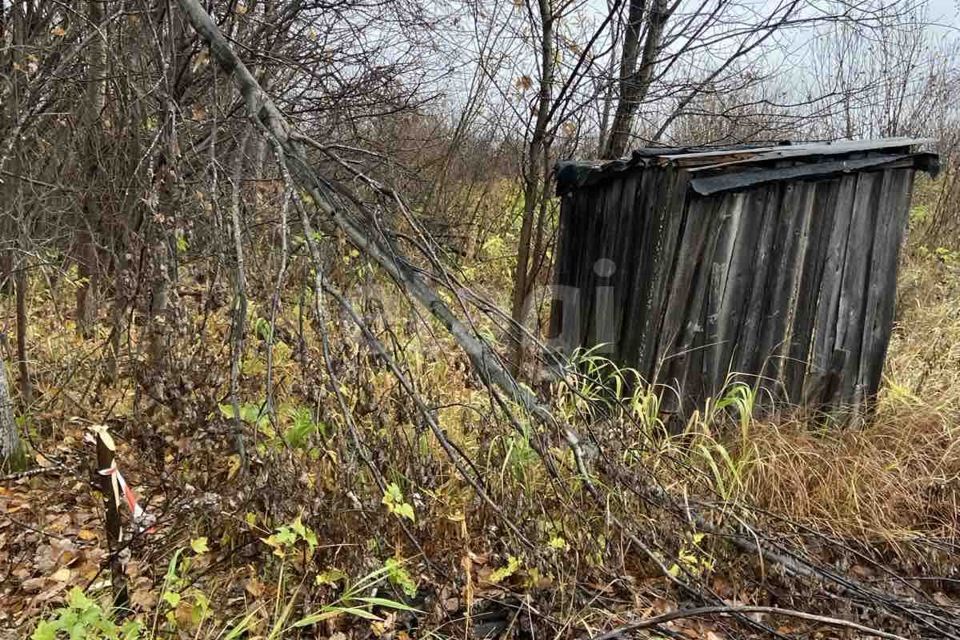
<point x="233" y="465"/>
<point x="199" y="545"/>
<point x="87" y="534"/>
<point x="61" y="575"/>
<point x="101" y="432"/>
<point x="42" y="461"/>
<point x="254" y="587"/>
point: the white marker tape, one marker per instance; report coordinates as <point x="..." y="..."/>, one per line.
<point x="141" y="518"/>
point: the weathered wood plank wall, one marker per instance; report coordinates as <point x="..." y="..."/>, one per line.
<point x="785" y="284"/>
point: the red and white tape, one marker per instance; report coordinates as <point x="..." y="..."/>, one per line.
<point x="141" y="518"/>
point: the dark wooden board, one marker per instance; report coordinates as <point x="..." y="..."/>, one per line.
<point x="787" y="284"/>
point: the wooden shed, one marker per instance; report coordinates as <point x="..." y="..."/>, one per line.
<point x="775" y="265"/>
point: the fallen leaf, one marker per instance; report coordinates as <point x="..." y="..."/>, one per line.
<point x="33" y="585"/>
<point x="145" y="598"/>
<point x="42" y="461"/>
<point x="62" y="575"/>
<point x="53" y="592"/>
<point x="199" y="545"/>
<point x="254" y="587"/>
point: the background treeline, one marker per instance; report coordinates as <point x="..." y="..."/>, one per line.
<point x="122" y="144"/>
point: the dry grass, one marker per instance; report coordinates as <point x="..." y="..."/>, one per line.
<point x="894" y="479"/>
<point x="896" y="476"/>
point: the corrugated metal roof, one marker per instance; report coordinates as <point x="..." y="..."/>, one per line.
<point x="720" y="169"/>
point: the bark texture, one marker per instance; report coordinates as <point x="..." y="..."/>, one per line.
<point x="94" y="101"/>
<point x="9" y="436"/>
<point x="636" y="69"/>
<point x="529" y="249"/>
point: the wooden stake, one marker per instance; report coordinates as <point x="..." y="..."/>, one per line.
<point x="110" y="488"/>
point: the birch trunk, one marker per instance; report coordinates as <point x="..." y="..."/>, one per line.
<point x="10" y="451"/>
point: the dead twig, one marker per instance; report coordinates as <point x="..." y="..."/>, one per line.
<point x="701" y="612"/>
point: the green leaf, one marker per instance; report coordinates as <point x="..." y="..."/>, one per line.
<point x="332" y="612"/>
<point x="311" y="539"/>
<point x="172" y="598"/>
<point x="241" y="627"/>
<point x="393" y="499"/>
<point x="387" y="604"/>
<point x="302" y="427"/>
<point x="405" y="510"/>
<point x="262" y="328"/>
<point x="297" y="526"/>
<point x="557" y="543"/>
<point x="131" y="630"/>
<point x="77" y="599"/>
<point x="46" y="630"/>
<point x="199" y="545"/>
<point x="79" y="631"/>
<point x="400" y="577"/>
<point x="392" y="495"/>
<point x="250" y="413"/>
<point x="330" y="576"/>
<point x="501" y="574"/>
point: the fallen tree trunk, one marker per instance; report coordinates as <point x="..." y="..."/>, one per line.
<point x="273" y="124"/>
<point x="344" y="209"/>
<point x="700" y="612"/>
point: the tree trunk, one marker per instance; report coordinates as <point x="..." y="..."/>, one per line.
<point x="608" y="93"/>
<point x="163" y="234"/>
<point x="525" y="271"/>
<point x="635" y="79"/>
<point x="11" y="454"/>
<point x="122" y="291"/>
<point x="160" y="259"/>
<point x="238" y="329"/>
<point x="93" y="104"/>
<point x="6" y="270"/>
<point x="89" y="274"/>
<point x="26" y="387"/>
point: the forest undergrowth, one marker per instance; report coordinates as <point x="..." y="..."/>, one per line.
<point x="263" y="273"/>
<point x="365" y="527"/>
